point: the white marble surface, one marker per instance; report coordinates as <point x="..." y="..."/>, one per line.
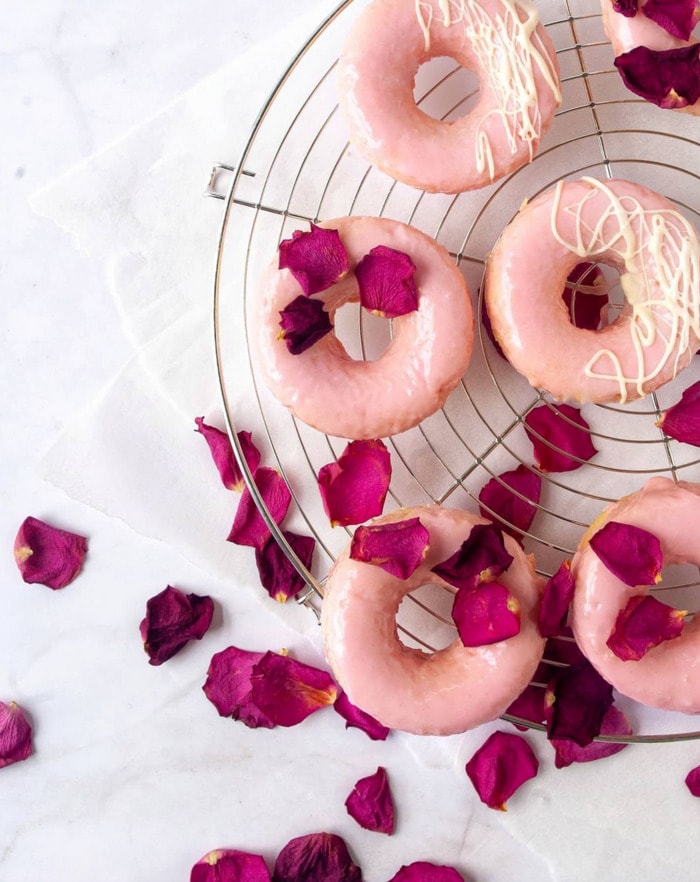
<point x="134" y="776"/>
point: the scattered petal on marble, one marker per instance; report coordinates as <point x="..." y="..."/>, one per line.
<point x="288" y="691"/>
<point x="47" y="555"/>
<point x="482" y="557"/>
<point x="304" y="322"/>
<point x="628" y="8"/>
<point x="500" y="766"/>
<point x="317" y="259"/>
<point x="529" y="705"/>
<point x="229" y="686"/>
<point x="371" y="803"/>
<point x="357" y="718"/>
<point x="172" y="620"/>
<point x="229" y="865"/>
<point x="669" y="78"/>
<point x="354" y="488"/>
<point x="511" y="500"/>
<point x="554" y="607"/>
<point x="385" y="282"/>
<point x="249" y="527"/>
<point x="631" y="553"/>
<point x="692" y="781"/>
<point x="423" y="871"/>
<point x="224" y="458"/>
<point x="644" y="623"/>
<point x="682" y="420"/>
<point x="398" y="547"/>
<point x="15" y="734"/>
<point x="584" y="303"/>
<point x="278" y="575"/>
<point x="614" y="723"/>
<point x="677" y="17"/>
<point x="560" y="437"/>
<point x="316" y="857"/>
<point x="486" y="614"/>
<point x="575" y="702"/>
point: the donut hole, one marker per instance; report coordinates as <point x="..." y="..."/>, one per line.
<point x="424" y="618"/>
<point x="579" y="291"/>
<point x="679" y="588"/>
<point x="444" y="90"/>
<point x="364" y="336"/>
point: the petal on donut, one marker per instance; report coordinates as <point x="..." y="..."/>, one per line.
<point x="669" y="78"/>
<point x="511" y="499"/>
<point x="371" y="803"/>
<point x="278" y="575"/>
<point x="560" y="437"/>
<point x="249" y="527"/>
<point x="692" y="781"/>
<point x="47" y="555"/>
<point x="316" y="259"/>
<point x="316" y="857"/>
<point x="15" y="734"/>
<point x="359" y="719"/>
<point x="558" y="594"/>
<point x="288" y="691"/>
<point x="644" y="623"/>
<point x="567" y="752"/>
<point x="628" y="8"/>
<point x="682" y="421"/>
<point x="584" y="302"/>
<point x="354" y="488"/>
<point x="529" y="705"/>
<point x="173" y="618"/>
<point x="500" y="766"/>
<point x="224" y="458"/>
<point x="385" y="282"/>
<point x="398" y="547"/>
<point x="228" y="686"/>
<point x="482" y="557"/>
<point x="677" y="17"/>
<point x="631" y="553"/>
<point x="304" y="322"/>
<point x="229" y="865"/>
<point x="575" y="703"/>
<point x="486" y="614"/>
<point x="424" y="871"/>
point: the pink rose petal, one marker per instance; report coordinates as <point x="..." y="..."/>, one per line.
<point x="359" y="719"/>
<point x="316" y="259"/>
<point x="172" y="620"/>
<point x="224" y="458"/>
<point x="47" y="555"/>
<point x="288" y="691"/>
<point x="278" y="575"/>
<point x="304" y="322"/>
<point x="354" y="488"/>
<point x="554" y="607"/>
<point x="249" y="527"/>
<point x="628" y="8"/>
<point x="643" y="624"/>
<point x="371" y="804"/>
<point x="15" y="734"/>
<point x="385" y="282"/>
<point x="486" y="614"/>
<point x="316" y="857"/>
<point x="423" y="871"/>
<point x="559" y="649"/>
<point x="500" y="766"/>
<point x="576" y="701"/>
<point x="482" y="557"/>
<point x="398" y="547"/>
<point x="614" y="723"/>
<point x="529" y="705"/>
<point x="228" y="865"/>
<point x="677" y="17"/>
<point x="631" y="553"/>
<point x="584" y="303"/>
<point x="682" y="421"/>
<point x="669" y="78"/>
<point x="511" y="500"/>
<point x="229" y="687"/>
<point x="692" y="781"/>
<point x="488" y="327"/>
<point x="560" y="438"/>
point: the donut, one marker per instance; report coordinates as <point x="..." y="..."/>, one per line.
<point x="668" y="676"/>
<point x="502" y="41"/>
<point x="616" y="222"/>
<point x="440" y="693"/>
<point x="425" y="359"/>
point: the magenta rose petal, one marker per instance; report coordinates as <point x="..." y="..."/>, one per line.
<point x="677" y="17"/>
<point x="628" y="8"/>
<point x="229" y="865"/>
<point x="224" y="458"/>
<point x="385" y="282"/>
<point x="278" y="575"/>
<point x="486" y="614"/>
<point x="482" y="557"/>
<point x="529" y="705"/>
<point x="614" y="722"/>
<point x="558" y="594"/>
<point x="317" y="259"/>
<point x="47" y="555"/>
<point x="682" y="421"/>
<point x="316" y="857"/>
<point x="511" y="499"/>
<point x="560" y="438"/>
<point x="371" y="803"/>
<point x="631" y="553"/>
<point x="575" y="702"/>
<point x="692" y="781"/>
<point x="249" y="527"/>
<point x="644" y="623"/>
<point x="288" y="691"/>
<point x="303" y="322"/>
<point x="229" y="687"/>
<point x="398" y="547"/>
<point x="585" y="306"/>
<point x="172" y="620"/>
<point x="565" y="651"/>
<point x="357" y="718"/>
<point x="423" y="871"/>
<point x="354" y="488"/>
<point x="669" y="78"/>
<point x="15" y="734"/>
<point x="502" y="764"/>
<point x="488" y="327"/>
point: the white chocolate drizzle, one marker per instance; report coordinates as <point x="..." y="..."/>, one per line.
<point x="660" y="280"/>
<point x="509" y="48"/>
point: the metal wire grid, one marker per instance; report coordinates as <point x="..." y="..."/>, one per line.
<point x="297" y="167"/>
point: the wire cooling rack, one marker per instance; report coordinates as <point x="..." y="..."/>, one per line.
<point x="298" y="167"/>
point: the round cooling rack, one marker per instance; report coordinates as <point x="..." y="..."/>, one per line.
<point x="298" y="167"/>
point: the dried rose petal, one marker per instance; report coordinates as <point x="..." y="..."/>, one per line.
<point x="575" y="702"/>
<point x="371" y="804"/>
<point x="172" y="620"/>
<point x="422" y="871"/>
<point x="304" y="322"/>
<point x="278" y="575"/>
<point x="48" y="555"/>
<point x="486" y="614"/>
<point x="288" y="691"/>
<point x="316" y="259"/>
<point x="560" y="438"/>
<point x="631" y="553"/>
<point x="224" y="457"/>
<point x="398" y="547"/>
<point x="529" y="705"/>
<point x="558" y="594"/>
<point x="229" y="688"/>
<point x="628" y="8"/>
<point x="614" y="723"/>
<point x="385" y="282"/>
<point x="249" y="527"/>
<point x="511" y="499"/>
<point x="482" y="557"/>
<point x="355" y="716"/>
<point x="316" y="857"/>
<point x="643" y="624"/>
<point x="669" y="78"/>
<point x="488" y="327"/>
<point x="503" y="763"/>
<point x="682" y="421"/>
<point x="228" y="865"/>
<point x="585" y="307"/>
<point x="677" y="17"/>
<point x="354" y="488"/>
<point x="692" y="781"/>
<point x="15" y="734"/>
<point x="562" y="650"/>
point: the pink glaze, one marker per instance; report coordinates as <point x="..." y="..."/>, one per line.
<point x="440" y="693"/>
<point x="668" y="676"/>
<point x="425" y="359"/>
<point x="614" y="222"/>
<point x="377" y="70"/>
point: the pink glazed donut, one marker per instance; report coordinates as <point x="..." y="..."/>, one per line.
<point x="444" y="692"/>
<point x="668" y="676"/>
<point x="502" y="41"/>
<point x="424" y="361"/>
<point x="615" y="222"/>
